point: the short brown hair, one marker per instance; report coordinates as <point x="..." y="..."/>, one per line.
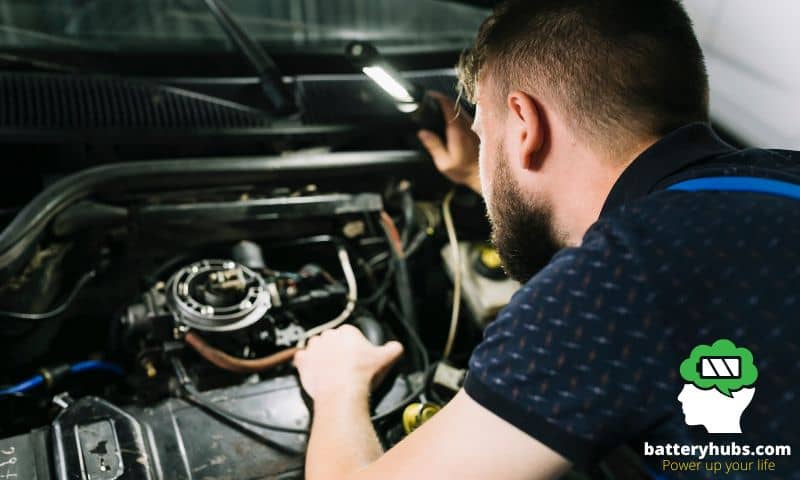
<point x="615" y="67"/>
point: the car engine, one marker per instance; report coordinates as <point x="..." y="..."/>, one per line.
<point x="155" y="308"/>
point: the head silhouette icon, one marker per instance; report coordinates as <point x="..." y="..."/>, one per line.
<point x="715" y="411"/>
<point x="720" y="388"/>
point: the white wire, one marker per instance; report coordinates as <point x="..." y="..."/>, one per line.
<point x="451" y="235"/>
<point x="352" y="297"/>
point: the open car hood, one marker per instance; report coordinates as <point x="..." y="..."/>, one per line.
<point x="476" y="3"/>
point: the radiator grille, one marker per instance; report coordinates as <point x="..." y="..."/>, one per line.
<point x="33" y="101"/>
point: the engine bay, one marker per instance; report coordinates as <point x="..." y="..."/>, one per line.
<point x="155" y="309"/>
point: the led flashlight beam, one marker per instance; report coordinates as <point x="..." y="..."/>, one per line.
<point x="408" y="97"/>
<point x="388" y="83"/>
<point x="366" y="57"/>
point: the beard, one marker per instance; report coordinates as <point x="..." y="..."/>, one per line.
<point x="522" y="232"/>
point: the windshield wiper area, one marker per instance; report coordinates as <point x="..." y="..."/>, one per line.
<point x="268" y="72"/>
<point x="36" y="63"/>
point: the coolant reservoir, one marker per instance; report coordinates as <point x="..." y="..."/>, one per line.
<point x="485" y="287"/>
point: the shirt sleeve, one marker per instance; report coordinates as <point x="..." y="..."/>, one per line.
<point x="575" y="360"/>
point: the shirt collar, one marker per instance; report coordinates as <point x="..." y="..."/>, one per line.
<point x="674" y="152"/>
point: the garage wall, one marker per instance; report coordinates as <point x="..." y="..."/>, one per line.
<point x="753" y="56"/>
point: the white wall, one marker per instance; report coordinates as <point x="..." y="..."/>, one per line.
<point x="752" y="52"/>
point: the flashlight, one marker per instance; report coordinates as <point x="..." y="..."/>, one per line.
<point x="408" y="97"/>
<point x="720" y="367"/>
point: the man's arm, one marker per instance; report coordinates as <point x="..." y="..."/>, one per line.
<point x="464" y="440"/>
<point x="342" y="438"/>
<point x="337" y="370"/>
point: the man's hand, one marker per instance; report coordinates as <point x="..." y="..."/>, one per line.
<point x="457" y="159"/>
<point x="338" y="369"/>
<point x="464" y="440"/>
<point x="343" y="363"/>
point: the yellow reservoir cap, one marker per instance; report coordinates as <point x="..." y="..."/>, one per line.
<point x="490" y="258"/>
<point x="416" y="414"/>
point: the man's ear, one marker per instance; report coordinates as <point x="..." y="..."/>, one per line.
<point x="527" y="125"/>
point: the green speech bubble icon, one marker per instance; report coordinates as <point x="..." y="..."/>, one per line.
<point x="721" y="365"/>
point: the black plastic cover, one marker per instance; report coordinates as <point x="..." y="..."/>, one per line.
<point x="191" y="444"/>
<point x="95" y="440"/>
<point x="26" y="456"/>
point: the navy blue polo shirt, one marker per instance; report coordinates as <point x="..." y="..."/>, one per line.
<point x="586" y="356"/>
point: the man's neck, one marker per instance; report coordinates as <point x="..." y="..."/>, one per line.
<point x="585" y="189"/>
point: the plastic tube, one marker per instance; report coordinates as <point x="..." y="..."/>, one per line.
<point x="96" y="365"/>
<point x="234" y="364"/>
<point x="24" y="386"/>
<point x="453" y="239"/>
<point x="80" y="367"/>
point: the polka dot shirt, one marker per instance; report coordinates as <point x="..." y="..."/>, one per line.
<point x="585" y="357"/>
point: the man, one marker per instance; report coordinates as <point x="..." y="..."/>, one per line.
<point x="586" y="111"/>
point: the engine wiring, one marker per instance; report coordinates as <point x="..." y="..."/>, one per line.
<point x="79" y="285"/>
<point x="402" y="281"/>
<point x="381" y="289"/>
<point x="191" y="394"/>
<point x="401" y="245"/>
<point x="408" y="251"/>
<point x="412" y="247"/>
<point x="422" y="358"/>
<point x="424" y="366"/>
<point x="352" y="298"/>
<point x="392" y="234"/>
<point x="432" y="220"/>
<point x="453" y="239"/>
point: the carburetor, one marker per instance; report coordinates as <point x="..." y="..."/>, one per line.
<point x="219" y="296"/>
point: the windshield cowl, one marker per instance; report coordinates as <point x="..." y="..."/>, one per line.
<point x="281" y="26"/>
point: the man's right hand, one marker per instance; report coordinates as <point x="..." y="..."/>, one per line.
<point x="457" y="155"/>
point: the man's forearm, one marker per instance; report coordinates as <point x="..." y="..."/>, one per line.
<point x="343" y="440"/>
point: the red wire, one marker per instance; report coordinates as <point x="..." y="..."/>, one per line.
<point x="394" y="235"/>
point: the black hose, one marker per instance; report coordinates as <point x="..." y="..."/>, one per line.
<point x="194" y="396"/>
<point x="407" y="202"/>
<point x="404" y="295"/>
<point x="21" y="233"/>
<point x="424" y="361"/>
<point x="415" y="243"/>
<point x="380" y="291"/>
<point x="59" y="309"/>
<point x="191" y="394"/>
<point x="231" y="419"/>
<point x="402" y="282"/>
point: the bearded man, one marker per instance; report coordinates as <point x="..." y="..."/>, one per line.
<point x="591" y="115"/>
